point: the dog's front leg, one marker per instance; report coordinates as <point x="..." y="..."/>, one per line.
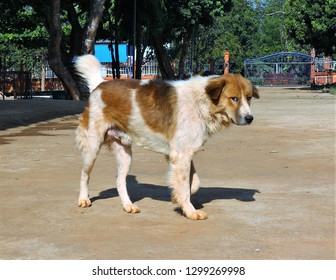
<point x="180" y="167"/>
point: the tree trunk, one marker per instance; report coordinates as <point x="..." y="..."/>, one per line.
<point x="54" y="52"/>
<point x="185" y="46"/>
<point x="76" y="35"/>
<point x="113" y="61"/>
<point x="166" y="69"/>
<point x="96" y="13"/>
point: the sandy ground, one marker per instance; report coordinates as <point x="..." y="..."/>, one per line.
<point x="269" y="188"/>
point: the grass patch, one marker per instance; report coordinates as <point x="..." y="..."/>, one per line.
<point x="332" y="90"/>
<point x="325" y="88"/>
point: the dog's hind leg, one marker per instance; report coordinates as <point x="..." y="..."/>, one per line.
<point x="194" y="179"/>
<point x="123" y="154"/>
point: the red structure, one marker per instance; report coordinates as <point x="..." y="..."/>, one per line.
<point x="312" y="66"/>
<point x="325" y="77"/>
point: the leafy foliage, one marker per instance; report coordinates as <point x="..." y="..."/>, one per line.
<point x="312" y="23"/>
<point x="23" y="37"/>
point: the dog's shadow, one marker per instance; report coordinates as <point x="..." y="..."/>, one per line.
<point x="138" y="191"/>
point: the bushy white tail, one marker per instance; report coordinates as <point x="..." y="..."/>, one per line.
<point x="88" y="67"/>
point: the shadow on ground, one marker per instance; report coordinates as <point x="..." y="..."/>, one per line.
<point x="14" y="113"/>
<point x="138" y="191"/>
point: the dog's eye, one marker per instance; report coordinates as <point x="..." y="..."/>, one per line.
<point x="249" y="98"/>
<point x="234" y="99"/>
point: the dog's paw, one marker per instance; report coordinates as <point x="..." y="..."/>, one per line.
<point x="84" y="203"/>
<point x="197" y="215"/>
<point x="132" y="208"/>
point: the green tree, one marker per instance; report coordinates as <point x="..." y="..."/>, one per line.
<point x="271" y="36"/>
<point x="61" y="48"/>
<point x="187" y="18"/>
<point x="64" y="28"/>
<point x="312" y="23"/>
<point x="235" y="30"/>
<point x="175" y="23"/>
<point x="22" y="37"/>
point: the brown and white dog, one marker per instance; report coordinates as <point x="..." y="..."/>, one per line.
<point x="171" y="117"/>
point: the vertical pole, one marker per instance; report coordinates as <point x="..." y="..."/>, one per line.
<point x="134" y="36"/>
<point x="226" y="61"/>
<point x="312" y="66"/>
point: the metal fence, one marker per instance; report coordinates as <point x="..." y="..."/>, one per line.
<point x="16" y="83"/>
<point x="150" y="68"/>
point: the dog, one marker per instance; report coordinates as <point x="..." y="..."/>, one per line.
<point x="174" y="118"/>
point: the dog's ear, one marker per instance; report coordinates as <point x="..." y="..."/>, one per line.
<point x="215" y="87"/>
<point x="255" y="92"/>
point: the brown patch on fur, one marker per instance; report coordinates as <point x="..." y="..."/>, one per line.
<point x="157" y="102"/>
<point x="116" y="95"/>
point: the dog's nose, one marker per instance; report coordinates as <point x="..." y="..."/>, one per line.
<point x="249" y="119"/>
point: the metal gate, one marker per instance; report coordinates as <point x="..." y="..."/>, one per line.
<point x="284" y="68"/>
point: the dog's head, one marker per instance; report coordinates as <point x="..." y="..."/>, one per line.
<point x="231" y="95"/>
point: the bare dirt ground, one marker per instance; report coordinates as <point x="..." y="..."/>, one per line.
<point x="269" y="188"/>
